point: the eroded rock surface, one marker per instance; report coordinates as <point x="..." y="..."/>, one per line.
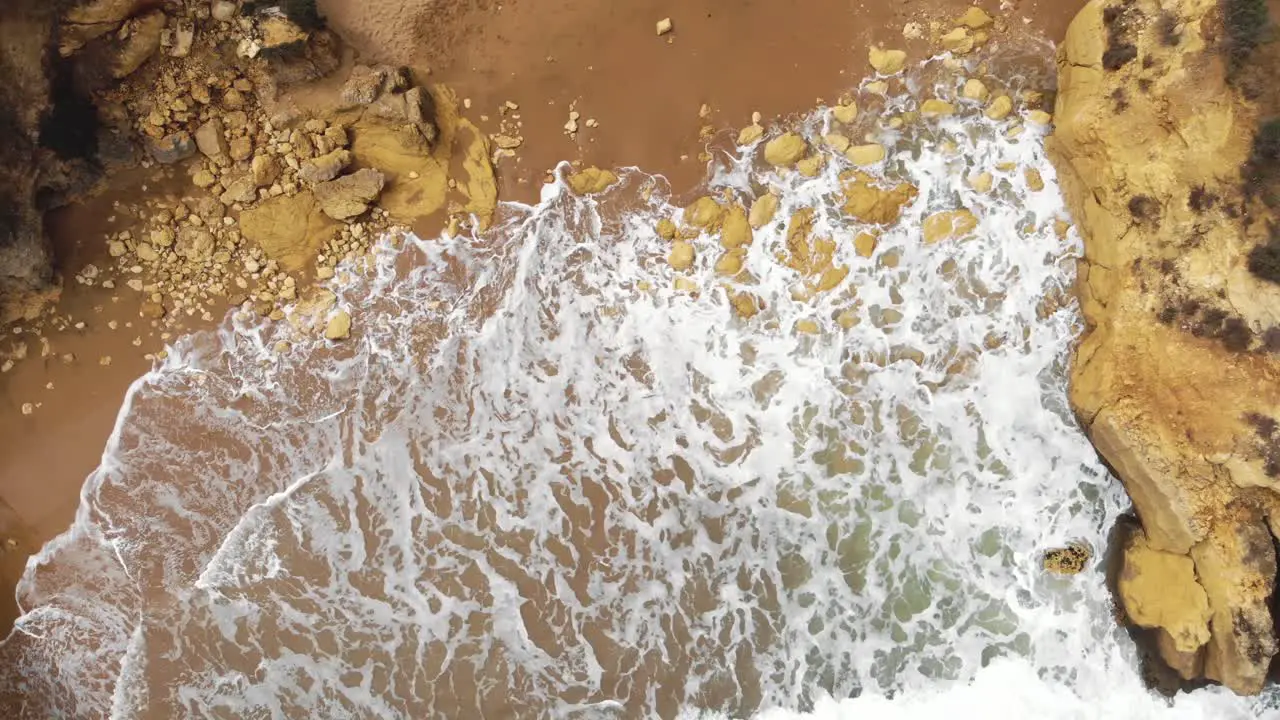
<point x="1174" y="379"/>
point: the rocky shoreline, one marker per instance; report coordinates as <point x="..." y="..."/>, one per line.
<point x="1177" y="379"/>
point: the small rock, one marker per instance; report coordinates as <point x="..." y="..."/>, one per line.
<point x="241" y="190"/>
<point x="350" y="196"/>
<point x="948" y="224"/>
<point x="981" y="182"/>
<point x="1039" y="117"/>
<point x="264" y="169"/>
<point x="1000" y="108"/>
<point x="204" y="179"/>
<point x="958" y="41"/>
<point x="173" y="148"/>
<point x="704" y="213"/>
<point x="666" y="229"/>
<point x="750" y="134"/>
<point x="507" y="142"/>
<point x="223" y="10"/>
<point x="974" y="90"/>
<point x="887" y="62"/>
<point x="152" y="310"/>
<point x="363" y="86"/>
<point x="115" y="248"/>
<point x="162" y="237"/>
<point x="211" y="138"/>
<point x="975" y="18"/>
<point x="836" y="142"/>
<point x="735" y="231"/>
<point x="339" y="326"/>
<point x="763" y="210"/>
<point x="28" y="408"/>
<point x="846" y="112"/>
<point x="811" y="166"/>
<point x="325" y="167"/>
<point x="865" y="244"/>
<point x="241" y="149"/>
<point x="785" y="150"/>
<point x="933" y="107"/>
<point x="868" y="154"/>
<point x="681" y="256"/>
<point x="730" y="263"/>
<point x="591" y="180"/>
<point x="664" y="26"/>
<point x="146" y="253"/>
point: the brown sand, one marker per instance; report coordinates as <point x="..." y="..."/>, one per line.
<point x="645" y="92"/>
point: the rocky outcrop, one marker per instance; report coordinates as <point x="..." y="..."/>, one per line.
<point x="1177" y="379"/>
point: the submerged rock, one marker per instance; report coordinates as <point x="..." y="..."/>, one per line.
<point x="785" y="150"/>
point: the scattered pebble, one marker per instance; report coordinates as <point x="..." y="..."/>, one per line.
<point x="664" y="26"/>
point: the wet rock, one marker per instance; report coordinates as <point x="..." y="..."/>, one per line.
<point x="867" y="201"/>
<point x="339" y="326"/>
<point x="750" y="134"/>
<point x="204" y="179"/>
<point x="1000" y="108"/>
<point x="836" y="142"/>
<point x="173" y="148"/>
<point x="349" y="196"/>
<point x="865" y="244"/>
<point x="194" y="243"/>
<point x="325" y="167"/>
<point x="1039" y="117"/>
<point x="290" y="229"/>
<point x="975" y="18"/>
<point x="868" y="154"/>
<point x="1159" y="591"/>
<point x="241" y="189"/>
<point x="211" y="138"/>
<point x="763" y="210"/>
<point x="591" y="180"/>
<point x="846" y="112"/>
<point x="785" y="150"/>
<point x="974" y="89"/>
<point x="681" y="256"/>
<point x="981" y="182"/>
<point x="730" y="263"/>
<point x="704" y="213"/>
<point x="363" y="86"/>
<point x="958" y="41"/>
<point x="735" y="232"/>
<point x="948" y="224"/>
<point x="666" y="229"/>
<point x="811" y="166"/>
<point x="887" y="62"/>
<point x="223" y="10"/>
<point x="1236" y="564"/>
<point x="933" y="107"/>
<point x="264" y="170"/>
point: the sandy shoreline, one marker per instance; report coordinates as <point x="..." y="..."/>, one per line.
<point x="603" y="59"/>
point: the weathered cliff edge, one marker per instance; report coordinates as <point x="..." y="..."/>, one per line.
<point x="1177" y="379"/>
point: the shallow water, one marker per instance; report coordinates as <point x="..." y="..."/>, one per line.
<point x="541" y="481"/>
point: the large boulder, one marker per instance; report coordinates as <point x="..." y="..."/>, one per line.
<point x="1172" y="379"/>
<point x="290" y="229"/>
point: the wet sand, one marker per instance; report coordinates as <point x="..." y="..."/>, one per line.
<point x="644" y="91"/>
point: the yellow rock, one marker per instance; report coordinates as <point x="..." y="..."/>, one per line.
<point x="666" y="229"/>
<point x="746" y="304"/>
<point x="807" y="327"/>
<point x="1039" y="117"/>
<point x="811" y="166"/>
<point x="933" y="107"/>
<point x="877" y="87"/>
<point x="1000" y="108"/>
<point x="865" y="244"/>
<point x="750" y="134"/>
<point x="730" y="263"/>
<point x="339" y="326"/>
<point x="868" y="202"/>
<point x="958" y="41"/>
<point x="785" y="150"/>
<point x="848" y="318"/>
<point x="832" y="277"/>
<point x="763" y="210"/>
<point x="975" y="18"/>
<point x="684" y="284"/>
<point x="736" y="230"/>
<point x="846" y="112"/>
<point x="591" y="180"/>
<point x="1159" y="590"/>
<point x="681" y="255"/>
<point x="868" y="154"/>
<point x="291" y="230"/>
<point x="981" y="182"/>
<point x="836" y="142"/>
<point x="1034" y="181"/>
<point x="975" y="90"/>
<point x="887" y="62"/>
<point x="948" y="224"/>
<point x="704" y="213"/>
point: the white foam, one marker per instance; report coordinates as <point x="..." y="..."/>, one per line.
<point x="529" y="485"/>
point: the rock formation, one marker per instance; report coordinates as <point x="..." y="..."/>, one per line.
<point x="1177" y="379"/>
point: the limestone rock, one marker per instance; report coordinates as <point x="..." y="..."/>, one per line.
<point x="240" y="189"/>
<point x="704" y="213"/>
<point x="592" y="180"/>
<point x="958" y="41"/>
<point x="1000" y="108"/>
<point x="975" y="18"/>
<point x="142" y="43"/>
<point x="666" y="229"/>
<point x="974" y="89"/>
<point x="173" y="148"/>
<point x="785" y="150"/>
<point x="846" y="112"/>
<point x="1236" y="564"/>
<point x="981" y="182"/>
<point x="811" y="166"/>
<point x="862" y="155"/>
<point x="339" y="326"/>
<point x="865" y="244"/>
<point x="325" y="167"/>
<point x="735" y="232"/>
<point x="211" y="138"/>
<point x="763" y="210"/>
<point x="681" y="256"/>
<point x="265" y="170"/>
<point x="836" y="142"/>
<point x="349" y="196"/>
<point x="948" y="224"/>
<point x="933" y="107"/>
<point x="867" y="201"/>
<point x="887" y="62"/>
<point x="290" y="229"/>
<point x="750" y="134"/>
<point x="1159" y="590"/>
